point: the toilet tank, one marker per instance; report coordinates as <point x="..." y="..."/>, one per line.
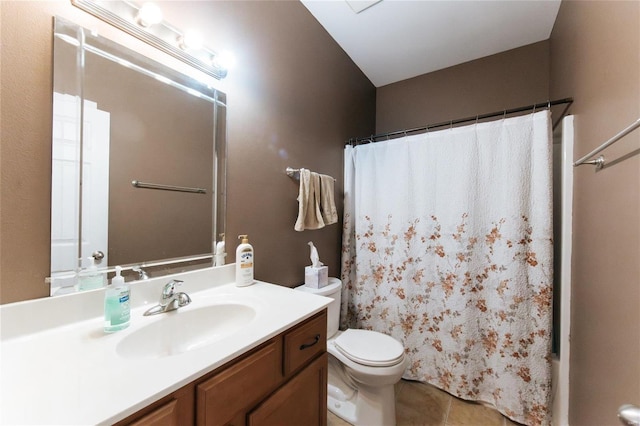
<point x="332" y="290"/>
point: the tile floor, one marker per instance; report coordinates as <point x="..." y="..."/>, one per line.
<point x="425" y="405"/>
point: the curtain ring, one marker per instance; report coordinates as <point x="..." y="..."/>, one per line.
<point x="477" y="119"/>
<point x="549" y="103"/>
<point x="534" y="109"/>
<point x="504" y="115"/>
<point x="451" y="125"/>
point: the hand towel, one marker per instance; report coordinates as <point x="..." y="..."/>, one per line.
<point x="309" y="215"/>
<point x="327" y="203"/>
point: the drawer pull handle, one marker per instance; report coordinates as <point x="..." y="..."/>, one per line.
<point x="308" y="345"/>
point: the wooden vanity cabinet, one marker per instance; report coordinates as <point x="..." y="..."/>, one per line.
<point x="281" y="382"/>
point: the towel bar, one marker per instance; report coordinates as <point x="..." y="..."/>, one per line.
<point x="293" y="172"/>
<point x="600" y="161"/>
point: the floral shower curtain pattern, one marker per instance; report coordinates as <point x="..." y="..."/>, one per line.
<point x="448" y="247"/>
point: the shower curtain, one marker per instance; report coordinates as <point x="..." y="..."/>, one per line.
<point x="447" y="247"/>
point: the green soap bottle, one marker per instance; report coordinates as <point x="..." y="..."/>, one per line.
<point x="117" y="310"/>
<point x="90" y="278"/>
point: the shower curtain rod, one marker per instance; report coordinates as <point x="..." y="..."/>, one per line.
<point x="548" y="104"/>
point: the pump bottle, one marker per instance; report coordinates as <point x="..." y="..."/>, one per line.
<point x="244" y="262"/>
<point x="117" y="309"/>
<point x="220" y="252"/>
<point x="90" y="278"/>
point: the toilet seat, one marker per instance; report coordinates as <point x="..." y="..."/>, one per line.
<point x="369" y="348"/>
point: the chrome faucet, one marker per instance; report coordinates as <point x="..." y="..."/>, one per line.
<point x="170" y="300"/>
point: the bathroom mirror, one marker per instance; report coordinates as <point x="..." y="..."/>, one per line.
<point x="138" y="162"/>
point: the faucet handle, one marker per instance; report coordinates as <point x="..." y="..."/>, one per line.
<point x="169" y="288"/>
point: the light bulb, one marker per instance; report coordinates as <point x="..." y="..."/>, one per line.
<point x="190" y="40"/>
<point x="225" y="60"/>
<point x="149" y="14"/>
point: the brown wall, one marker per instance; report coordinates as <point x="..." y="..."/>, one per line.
<point x="595" y="57"/>
<point x="506" y="80"/>
<point x="294" y="98"/>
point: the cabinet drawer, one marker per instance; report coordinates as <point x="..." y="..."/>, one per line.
<point x="227" y="393"/>
<point x="305" y="342"/>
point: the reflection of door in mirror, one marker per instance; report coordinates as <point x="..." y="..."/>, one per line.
<point x="95" y="183"/>
<point x="64" y="185"/>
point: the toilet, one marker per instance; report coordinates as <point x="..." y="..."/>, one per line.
<point x="364" y="366"/>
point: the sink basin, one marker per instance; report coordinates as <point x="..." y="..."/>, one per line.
<point x="181" y="331"/>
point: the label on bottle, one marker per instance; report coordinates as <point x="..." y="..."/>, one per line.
<point x="117" y="311"/>
<point x="246" y="260"/>
<point x="90" y="282"/>
<point x="246" y="267"/>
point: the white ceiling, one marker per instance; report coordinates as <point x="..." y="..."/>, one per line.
<point x="398" y="39"/>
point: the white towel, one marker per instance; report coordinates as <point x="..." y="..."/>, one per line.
<point x="309" y="215"/>
<point x="327" y="204"/>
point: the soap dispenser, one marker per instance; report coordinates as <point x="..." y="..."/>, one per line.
<point x="117" y="309"/>
<point x="244" y="262"/>
<point x="90" y="278"/>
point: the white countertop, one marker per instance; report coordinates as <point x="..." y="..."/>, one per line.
<point x="57" y="366"/>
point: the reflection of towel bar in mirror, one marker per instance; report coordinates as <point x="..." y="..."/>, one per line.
<point x="295" y="173"/>
<point x="139" y="184"/>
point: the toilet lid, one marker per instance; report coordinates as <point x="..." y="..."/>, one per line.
<point x="369" y="348"/>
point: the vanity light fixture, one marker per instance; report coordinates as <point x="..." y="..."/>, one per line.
<point x="153" y="30"/>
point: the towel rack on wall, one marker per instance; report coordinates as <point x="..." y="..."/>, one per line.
<point x="295" y="173"/>
<point x="138" y="184"/>
<point x="599" y="162"/>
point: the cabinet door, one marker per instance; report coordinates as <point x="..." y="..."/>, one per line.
<point x="228" y="395"/>
<point x="164" y="415"/>
<point x="301" y="401"/>
<point x="173" y="410"/>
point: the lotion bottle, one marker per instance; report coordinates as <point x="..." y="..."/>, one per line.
<point x="220" y="252"/>
<point x="244" y="262"/>
<point x="117" y="309"/>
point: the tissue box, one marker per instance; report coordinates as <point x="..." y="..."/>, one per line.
<point x="316" y="277"/>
